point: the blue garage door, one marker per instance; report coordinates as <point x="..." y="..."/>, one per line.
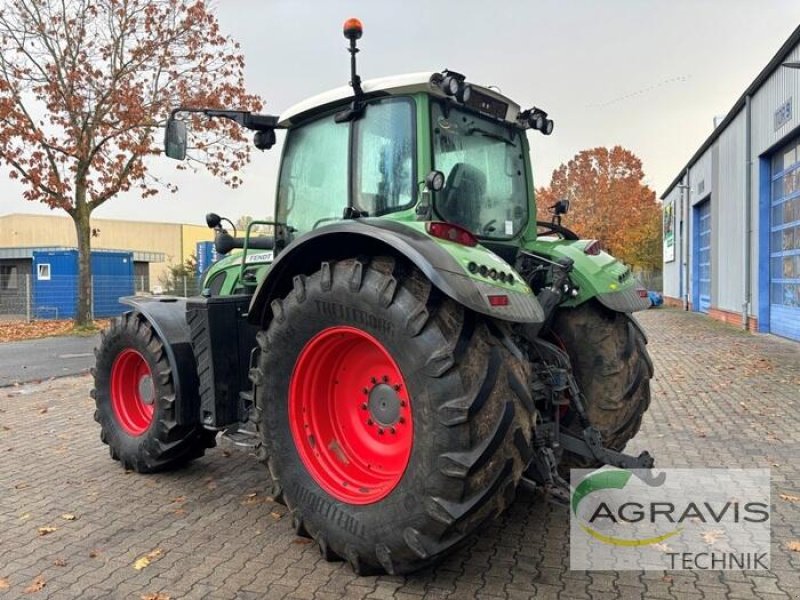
<point x="784" y="300"/>
<point x="702" y="256"/>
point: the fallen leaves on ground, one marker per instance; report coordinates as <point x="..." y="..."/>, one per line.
<point x="156" y="596"/>
<point x="275" y="515"/>
<point x="60" y="562"/>
<point x="46" y="530"/>
<point x="93" y="553"/>
<point x="144" y="561"/>
<point x="794" y="546"/>
<point x="37" y="585"/>
<point x="790" y="498"/>
<point x="69" y="517"/>
<point x="4" y="584"/>
<point x="14" y="331"/>
<point x="252" y="499"/>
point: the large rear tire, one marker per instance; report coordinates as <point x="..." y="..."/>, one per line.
<point x="394" y="420"/>
<point x="135" y="400"/>
<point x="611" y="365"/>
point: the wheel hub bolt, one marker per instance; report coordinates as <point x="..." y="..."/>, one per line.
<point x="369" y="422"/>
<point x="363" y="406"/>
<point x="401" y="420"/>
<point x="380" y="430"/>
<point x="385" y="379"/>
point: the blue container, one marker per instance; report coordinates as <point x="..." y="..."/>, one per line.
<point x="112" y="278"/>
<point x="206" y="256"/>
<point x="55" y="283"/>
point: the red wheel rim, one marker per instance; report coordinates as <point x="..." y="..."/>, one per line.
<point x="132" y="392"/>
<point x="350" y="415"/>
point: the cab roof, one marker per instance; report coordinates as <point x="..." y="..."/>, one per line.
<point x="396" y="84"/>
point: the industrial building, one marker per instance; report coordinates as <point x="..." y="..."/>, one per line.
<point x="732" y="214"/>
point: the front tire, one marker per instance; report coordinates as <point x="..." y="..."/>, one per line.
<point x="355" y="349"/>
<point x="135" y="400"/>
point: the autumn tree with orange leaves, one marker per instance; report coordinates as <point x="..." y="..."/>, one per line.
<point x="610" y="202"/>
<point x="86" y="87"/>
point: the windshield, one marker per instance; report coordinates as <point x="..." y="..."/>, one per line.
<point x="482" y="160"/>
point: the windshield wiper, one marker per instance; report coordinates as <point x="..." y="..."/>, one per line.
<point x="490" y="134"/>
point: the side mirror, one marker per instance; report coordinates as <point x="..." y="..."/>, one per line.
<point x="175" y="139"/>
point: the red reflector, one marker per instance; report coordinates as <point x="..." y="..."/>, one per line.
<point x="498" y="300"/>
<point x="642" y="293"/>
<point x="451" y="233"/>
<point x="593" y="248"/>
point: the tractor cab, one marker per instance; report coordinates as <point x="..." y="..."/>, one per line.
<point x="417" y="151"/>
<point x="428" y="147"/>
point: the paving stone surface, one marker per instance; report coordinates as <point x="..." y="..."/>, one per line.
<point x="721" y="397"/>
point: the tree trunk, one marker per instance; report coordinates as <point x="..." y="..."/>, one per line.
<point x="80" y="216"/>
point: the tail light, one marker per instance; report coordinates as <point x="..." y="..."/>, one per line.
<point x="451" y="233"/>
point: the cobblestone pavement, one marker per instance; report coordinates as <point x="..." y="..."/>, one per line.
<point x="720" y="398"/>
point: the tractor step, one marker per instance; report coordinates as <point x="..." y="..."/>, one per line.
<point x="244" y="435"/>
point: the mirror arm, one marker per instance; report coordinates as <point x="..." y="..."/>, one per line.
<point x="243" y="118"/>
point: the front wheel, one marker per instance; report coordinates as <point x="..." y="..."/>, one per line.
<point x="136" y="403"/>
<point x="394" y="419"/>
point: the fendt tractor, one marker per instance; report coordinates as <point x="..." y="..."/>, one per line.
<point x="408" y="345"/>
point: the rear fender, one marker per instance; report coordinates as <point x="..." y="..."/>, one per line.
<point x="167" y="315"/>
<point x="443" y="265"/>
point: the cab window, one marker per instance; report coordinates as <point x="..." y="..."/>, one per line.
<point x="383" y="157"/>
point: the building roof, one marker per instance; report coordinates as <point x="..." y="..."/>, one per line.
<point x="772" y="65"/>
<point x="95" y="219"/>
<point x="396" y="84"/>
<point x="27" y="253"/>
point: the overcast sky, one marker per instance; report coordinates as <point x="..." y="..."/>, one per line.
<point x="649" y="75"/>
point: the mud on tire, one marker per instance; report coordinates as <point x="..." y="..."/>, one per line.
<point x="471" y="415"/>
<point x="133" y="365"/>
<point x="612" y="368"/>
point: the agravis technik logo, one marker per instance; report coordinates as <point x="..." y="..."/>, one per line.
<point x="685" y="519"/>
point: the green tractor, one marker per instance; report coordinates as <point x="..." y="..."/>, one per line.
<point x="408" y="346"/>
